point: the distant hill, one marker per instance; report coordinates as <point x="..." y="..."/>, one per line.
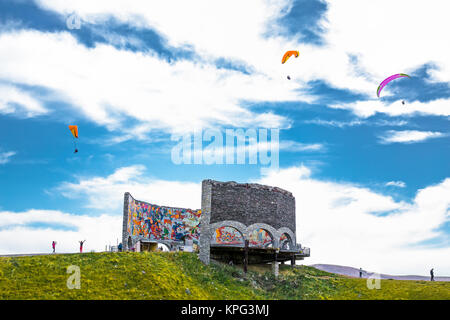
<point x="181" y="275"/>
<point x="354" y="272"/>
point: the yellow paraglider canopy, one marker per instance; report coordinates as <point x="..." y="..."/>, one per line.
<point x="74" y="130"/>
<point x="288" y="54"/>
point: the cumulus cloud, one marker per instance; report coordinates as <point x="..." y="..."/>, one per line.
<point x="115" y="87"/>
<point x="408" y="136"/>
<point x="386" y="46"/>
<point x="118" y="88"/>
<point x="13" y="99"/>
<point x="106" y="193"/>
<point x="254" y="38"/>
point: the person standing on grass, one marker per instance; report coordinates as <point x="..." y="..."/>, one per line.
<point x="432" y="274"/>
<point x="54" y="246"/>
<point x="360" y="272"/>
<point x="81" y="245"/>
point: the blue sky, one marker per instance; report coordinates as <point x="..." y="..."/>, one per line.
<point x="131" y="77"/>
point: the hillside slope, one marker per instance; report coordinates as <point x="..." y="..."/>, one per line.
<point x="168" y="275"/>
<point x="354" y="272"/>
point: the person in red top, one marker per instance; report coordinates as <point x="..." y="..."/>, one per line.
<point x="53" y="246"/>
<point x="81" y="245"/>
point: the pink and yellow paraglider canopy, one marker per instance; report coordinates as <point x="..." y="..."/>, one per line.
<point x="389" y="79"/>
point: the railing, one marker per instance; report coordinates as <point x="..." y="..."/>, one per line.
<point x="306" y="251"/>
<point x="303" y="250"/>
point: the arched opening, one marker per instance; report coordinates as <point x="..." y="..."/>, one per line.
<point x="260" y="238"/>
<point x="227" y="236"/>
<point x="286" y="242"/>
<point x="163" y="247"/>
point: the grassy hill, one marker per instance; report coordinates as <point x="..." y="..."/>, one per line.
<point x="169" y="275"/>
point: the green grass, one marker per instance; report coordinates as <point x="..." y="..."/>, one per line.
<point x="163" y="275"/>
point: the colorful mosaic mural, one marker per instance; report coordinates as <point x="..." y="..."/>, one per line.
<point x="260" y="238"/>
<point x="230" y="236"/>
<point x="285" y="242"/>
<point x="162" y="223"/>
<point x="227" y="235"/>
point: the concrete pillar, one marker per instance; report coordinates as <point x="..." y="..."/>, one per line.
<point x="246" y="255"/>
<point x="138" y="246"/>
<point x="275" y="268"/>
<point x="125" y="222"/>
<point x="205" y="232"/>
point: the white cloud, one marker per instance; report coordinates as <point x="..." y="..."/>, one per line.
<point x="205" y="26"/>
<point x="391" y="45"/>
<point x="294" y="146"/>
<point x="106" y="85"/>
<point x="106" y="193"/>
<point x="399" y="184"/>
<point x="5" y="156"/>
<point x="341" y="224"/>
<point x="365" y="109"/>
<point x="357" y="122"/>
<point x="382" y="46"/>
<point x="13" y="100"/>
<point x="334" y="123"/>
<point x="408" y="136"/>
<point x="16" y="236"/>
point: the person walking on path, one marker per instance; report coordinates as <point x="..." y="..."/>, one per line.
<point x="360" y="272"/>
<point x="81" y="245"/>
<point x="54" y="246"/>
<point x="432" y="274"/>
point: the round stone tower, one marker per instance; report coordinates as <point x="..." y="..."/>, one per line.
<point x="246" y="207"/>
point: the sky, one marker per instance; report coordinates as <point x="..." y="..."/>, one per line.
<point x="370" y="175"/>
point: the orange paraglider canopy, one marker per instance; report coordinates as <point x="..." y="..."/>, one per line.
<point x="74" y="130"/>
<point x="288" y="54"/>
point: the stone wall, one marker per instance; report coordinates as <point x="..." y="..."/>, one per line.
<point x="125" y="222"/>
<point x="251" y="203"/>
